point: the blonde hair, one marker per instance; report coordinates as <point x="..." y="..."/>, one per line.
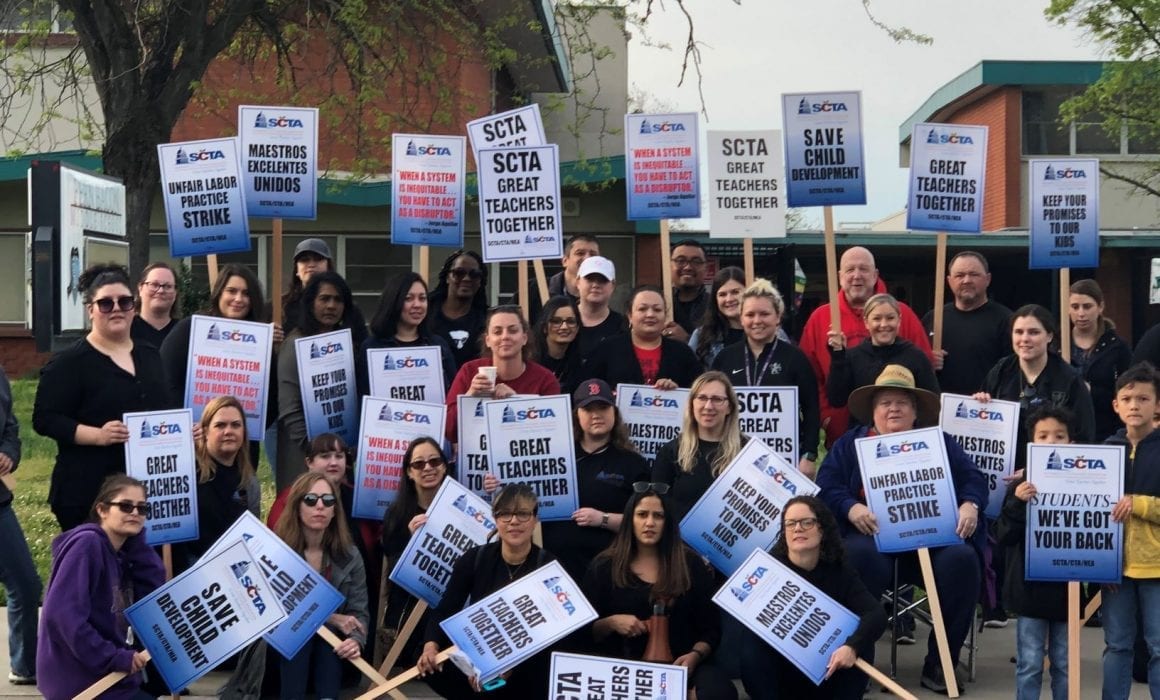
<point x="878" y="300"/>
<point x="689" y="441"/>
<point x="762" y="288"/>
<point x="206" y="466"/>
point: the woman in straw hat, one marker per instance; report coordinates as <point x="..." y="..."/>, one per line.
<point x="892" y="405"/>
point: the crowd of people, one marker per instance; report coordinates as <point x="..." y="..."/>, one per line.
<point x="876" y="374"/>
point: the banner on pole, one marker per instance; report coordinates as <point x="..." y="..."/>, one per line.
<point x="530" y="441"/>
<point x="159" y="453"/>
<point x="770" y="413"/>
<point x="1065" y="213"/>
<point x="576" y="676"/>
<point x="746" y="177"/>
<point x="988" y="433"/>
<point x="653" y="416"/>
<point x="519" y="203"/>
<point x="948" y="165"/>
<point x="325" y="378"/>
<point x="522" y="126"/>
<point x="230" y="358"/>
<point x="824" y="159"/>
<point x="428" y="180"/>
<point x="280" y="149"/>
<point x="472" y="443"/>
<point x="662" y="170"/>
<point x="205" y="209"/>
<point x="410" y="374"/>
<point x="386" y="430"/>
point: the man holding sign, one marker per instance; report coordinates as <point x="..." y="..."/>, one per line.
<point x="893" y="405"/>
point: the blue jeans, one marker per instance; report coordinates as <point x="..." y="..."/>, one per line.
<point x="1032" y="634"/>
<point x="1120" y="607"/>
<point x="22" y="585"/>
<point x="319" y="656"/>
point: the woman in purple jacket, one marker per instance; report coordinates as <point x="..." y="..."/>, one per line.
<point x="98" y="570"/>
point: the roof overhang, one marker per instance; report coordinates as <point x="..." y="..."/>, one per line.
<point x="543" y="63"/>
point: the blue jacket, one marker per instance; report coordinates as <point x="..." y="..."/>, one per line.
<point x="83" y="626"/>
<point x="840" y="481"/>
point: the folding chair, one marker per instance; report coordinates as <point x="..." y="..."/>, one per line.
<point x="920" y="613"/>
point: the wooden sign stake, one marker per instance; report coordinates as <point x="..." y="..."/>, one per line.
<point x="936" y="621"/>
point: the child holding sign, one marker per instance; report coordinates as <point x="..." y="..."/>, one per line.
<point x="1139" y="592"/>
<point x="1040" y="605"/>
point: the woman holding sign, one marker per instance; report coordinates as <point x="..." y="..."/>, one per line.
<point x="763" y="359"/>
<point x="721" y="325"/>
<point x="327" y="305"/>
<point x="710" y="438"/>
<point x="98" y="569"/>
<point x="811" y="545"/>
<point x="644" y="355"/>
<point x="86" y="389"/>
<point x="401" y="322"/>
<point x="648" y="582"/>
<point x="315" y="527"/>
<point x="479" y="572"/>
<point x="505" y="369"/>
<point x="893" y="404"/>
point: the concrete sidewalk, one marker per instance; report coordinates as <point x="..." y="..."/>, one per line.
<point x="994" y="677"/>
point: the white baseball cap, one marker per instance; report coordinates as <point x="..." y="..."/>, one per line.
<point x="597" y="265"/>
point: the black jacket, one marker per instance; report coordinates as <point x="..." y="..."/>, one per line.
<point x="614" y="361"/>
<point x="1045" y="600"/>
<point x="9" y="433"/>
<point x="861" y="365"/>
<point x="1100" y="368"/>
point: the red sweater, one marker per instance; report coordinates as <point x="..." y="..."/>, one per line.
<point x="813" y="343"/>
<point x="536" y="381"/>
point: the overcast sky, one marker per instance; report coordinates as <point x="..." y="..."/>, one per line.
<point x="755" y="51"/>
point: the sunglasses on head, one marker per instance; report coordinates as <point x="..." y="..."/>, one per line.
<point x="459" y="273"/>
<point x="660" y="488"/>
<point x="129" y="506"/>
<point x="312" y="499"/>
<point x="105" y="305"/>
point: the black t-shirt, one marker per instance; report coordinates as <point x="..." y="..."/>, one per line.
<point x="591" y="336"/>
<point x="142" y="332"/>
<point x="462" y="334"/>
<point x="689" y="314"/>
<point x="686" y="488"/>
<point x="604" y="481"/>
<point x="974" y="341"/>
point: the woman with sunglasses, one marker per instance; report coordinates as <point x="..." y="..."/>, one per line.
<point x="479" y="572"/>
<point x="644" y="355"/>
<point x="315" y="528"/>
<point x="506" y="348"/>
<point x="401" y="322"/>
<point x="424" y="469"/>
<point x="86" y="388"/>
<point x="556" y="332"/>
<point x="156" y="304"/>
<point x="648" y="572"/>
<point x="98" y="569"/>
<point x="327" y="305"/>
<point x="811" y="546"/>
<point x="764" y="359"/>
<point x="710" y="438"/>
<point x="459" y="304"/>
<point x="225" y="478"/>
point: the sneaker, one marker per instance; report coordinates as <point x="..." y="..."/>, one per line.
<point x="996" y="619"/>
<point x="932" y="679"/>
<point x="21" y="680"/>
<point x="905" y="637"/>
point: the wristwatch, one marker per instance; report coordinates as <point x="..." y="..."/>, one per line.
<point x="810" y="456"/>
<point x="604" y="520"/>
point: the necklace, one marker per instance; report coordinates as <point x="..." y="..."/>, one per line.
<point x="512" y="570"/>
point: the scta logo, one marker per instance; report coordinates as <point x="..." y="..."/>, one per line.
<point x="884" y="450"/>
<point x="652" y="401"/>
<point x="511" y="415"/>
<point x="184" y="158"/>
<point x="411" y="417"/>
<point x="243" y="578"/>
<point x="954" y="139"/>
<point x="152" y="431"/>
<point x="807" y="107"/>
<point x="749" y="582"/>
<point x="427" y="150"/>
<point x="1070" y="174"/>
<point x="1082" y="462"/>
<point x="231" y="335"/>
<point x="317" y="351"/>
<point x="471" y="512"/>
<point x="561" y="595"/>
<point x="647" y="127"/>
<point x="408" y="362"/>
<point x="262" y="122"/>
<point x="978" y="414"/>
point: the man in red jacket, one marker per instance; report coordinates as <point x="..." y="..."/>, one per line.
<point x="858" y="280"/>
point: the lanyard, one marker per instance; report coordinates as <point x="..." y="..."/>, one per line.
<point x="749" y="379"/>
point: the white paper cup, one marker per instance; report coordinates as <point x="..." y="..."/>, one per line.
<point x="490" y="373"/>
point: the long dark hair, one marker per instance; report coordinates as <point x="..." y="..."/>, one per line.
<point x="406" y="503"/>
<point x="439" y="294"/>
<point x="832" y="550"/>
<point x="306" y="321"/>
<point x="540" y="330"/>
<point x="1045" y="318"/>
<point x="617" y="438"/>
<point x="257" y="310"/>
<point x="528" y="350"/>
<point x="386" y="319"/>
<point x="336" y="541"/>
<point x="673" y="577"/>
<point x="110" y="487"/>
<point x="714" y="325"/>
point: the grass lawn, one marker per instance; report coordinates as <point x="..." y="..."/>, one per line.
<point x="32" y="477"/>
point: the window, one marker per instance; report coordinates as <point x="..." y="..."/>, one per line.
<point x="1042" y="132"/>
<point x="33" y="15"/>
<point x="1143" y="138"/>
<point x="1092" y="137"/>
<point x="368" y="263"/>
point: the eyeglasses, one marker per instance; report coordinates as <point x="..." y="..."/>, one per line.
<point x="688" y="262"/>
<point x="129" y="506"/>
<point x="459" y="273"/>
<point x="659" y="487"/>
<point x="312" y="499"/>
<point x="521" y="516"/>
<point x="801" y="524"/>
<point x="715" y="400"/>
<point x="558" y="322"/>
<point x="421" y="464"/>
<point x="160" y="286"/>
<point x="105" y="305"/>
